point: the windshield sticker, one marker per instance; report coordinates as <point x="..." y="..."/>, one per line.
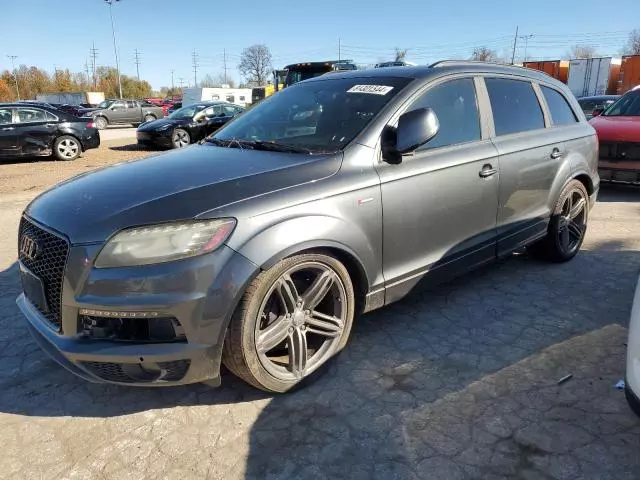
<point x="372" y="89"/>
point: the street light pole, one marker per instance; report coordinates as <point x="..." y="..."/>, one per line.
<point x="115" y="47"/>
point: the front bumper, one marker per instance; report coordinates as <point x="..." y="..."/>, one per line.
<point x="201" y="293"/>
<point x="619" y="171"/>
<point x="633" y="349"/>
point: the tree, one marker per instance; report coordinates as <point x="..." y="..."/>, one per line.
<point x="7" y="94"/>
<point x="633" y="44"/>
<point x="255" y="64"/>
<point x="221" y="80"/>
<point x="582" y="51"/>
<point x="401" y="54"/>
<point x="484" y="54"/>
<point x="207" y="81"/>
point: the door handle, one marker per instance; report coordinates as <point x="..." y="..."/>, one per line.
<point x="6" y="129"/>
<point x="488" y="171"/>
<point x="556" y="153"/>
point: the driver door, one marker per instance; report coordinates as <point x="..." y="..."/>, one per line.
<point x="118" y="112"/>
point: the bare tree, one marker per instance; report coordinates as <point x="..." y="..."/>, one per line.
<point x="633" y="44"/>
<point x="484" y="54"/>
<point x="221" y="80"/>
<point x="255" y="64"/>
<point x="401" y="54"/>
<point x="583" y="51"/>
<point x="207" y="81"/>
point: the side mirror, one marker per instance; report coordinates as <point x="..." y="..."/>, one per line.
<point x="597" y="112"/>
<point x="415" y="128"/>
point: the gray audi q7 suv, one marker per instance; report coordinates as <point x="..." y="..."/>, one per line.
<point x="258" y="247"/>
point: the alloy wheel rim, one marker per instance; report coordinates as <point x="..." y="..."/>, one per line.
<point x="573" y="220"/>
<point x="301" y="321"/>
<point x="180" y="139"/>
<point x="101" y="123"/>
<point x="68" y="148"/>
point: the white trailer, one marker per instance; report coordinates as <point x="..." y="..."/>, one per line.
<point x="237" y="96"/>
<point x="72" y="98"/>
<point x="589" y="76"/>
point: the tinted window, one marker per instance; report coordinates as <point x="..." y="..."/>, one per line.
<point x="26" y="115"/>
<point x="515" y="106"/>
<point x="51" y="116"/>
<point x="586" y="105"/>
<point x="229" y="110"/>
<point x="627" y="105"/>
<point x="561" y="113"/>
<point x="5" y="116"/>
<point x="131" y="104"/>
<point x="119" y="105"/>
<point x="457" y="110"/>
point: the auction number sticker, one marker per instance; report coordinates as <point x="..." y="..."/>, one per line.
<point x="372" y="89"/>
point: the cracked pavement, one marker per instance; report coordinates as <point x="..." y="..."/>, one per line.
<point x="459" y="382"/>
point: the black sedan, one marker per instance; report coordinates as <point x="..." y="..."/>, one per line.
<point x="37" y="130"/>
<point x="598" y="102"/>
<point x="187" y="125"/>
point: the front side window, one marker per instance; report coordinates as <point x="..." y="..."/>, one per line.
<point x="455" y="105"/>
<point x="587" y="105"/>
<point x="229" y="110"/>
<point x="5" y="116"/>
<point x="131" y="104"/>
<point x="321" y="115"/>
<point x="118" y="105"/>
<point x="561" y="112"/>
<point x="627" y="105"/>
<point x="30" y="115"/>
<point x="515" y="106"/>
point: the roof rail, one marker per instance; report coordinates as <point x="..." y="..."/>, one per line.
<point x="444" y="63"/>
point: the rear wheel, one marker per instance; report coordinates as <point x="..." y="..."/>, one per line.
<point x="291" y="321"/>
<point x="101" y="123"/>
<point x="67" y="148"/>
<point x="567" y="226"/>
<point x="180" y="138"/>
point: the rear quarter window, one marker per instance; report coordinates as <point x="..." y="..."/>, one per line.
<point x="515" y="106"/>
<point x="561" y="112"/>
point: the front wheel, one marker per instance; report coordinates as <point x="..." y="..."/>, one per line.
<point x="149" y="118"/>
<point x="101" y="123"/>
<point x="292" y="319"/>
<point x="180" y="138"/>
<point x="67" y="148"/>
<point x="568" y="225"/>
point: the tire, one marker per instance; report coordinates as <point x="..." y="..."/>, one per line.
<point x="67" y="148"/>
<point x="136" y="125"/>
<point x="567" y="227"/>
<point x="180" y="138"/>
<point x="149" y="118"/>
<point x="101" y="123"/>
<point x="262" y="333"/>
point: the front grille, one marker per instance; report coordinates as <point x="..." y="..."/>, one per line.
<point x="135" y="373"/>
<point x="620" y="151"/>
<point x="47" y="264"/>
<point x="155" y="330"/>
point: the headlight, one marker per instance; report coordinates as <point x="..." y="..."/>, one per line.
<point x="164" y="242"/>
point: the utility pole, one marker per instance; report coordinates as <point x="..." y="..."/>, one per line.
<point x="224" y="54"/>
<point x="94" y="54"/>
<point x="86" y="70"/>
<point x="138" y="64"/>
<point x="115" y="47"/>
<point x="194" y="58"/>
<point x="181" y="82"/>
<point x="172" y="87"/>
<point x="526" y="42"/>
<point x="15" y="74"/>
<point x="339" y="49"/>
<point x="515" y="42"/>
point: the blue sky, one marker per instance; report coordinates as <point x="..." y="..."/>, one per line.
<point x="50" y="33"/>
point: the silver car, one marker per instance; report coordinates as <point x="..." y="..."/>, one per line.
<point x="260" y="246"/>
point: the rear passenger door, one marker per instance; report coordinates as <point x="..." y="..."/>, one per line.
<point x="134" y="111"/>
<point x="530" y="159"/>
<point x="36" y="130"/>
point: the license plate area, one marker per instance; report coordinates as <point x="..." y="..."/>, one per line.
<point x="33" y="289"/>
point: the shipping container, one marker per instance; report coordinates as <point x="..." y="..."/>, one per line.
<point x="238" y="96"/>
<point x="72" y="98"/>
<point x="629" y="73"/>
<point x="589" y="77"/>
<point x="558" y="69"/>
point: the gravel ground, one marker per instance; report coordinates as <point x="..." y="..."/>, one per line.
<point x="459" y="382"/>
<point x="36" y="174"/>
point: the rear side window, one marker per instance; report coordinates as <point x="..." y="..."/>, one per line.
<point x="455" y="105"/>
<point x="30" y="115"/>
<point x="561" y="112"/>
<point x="515" y="106"/>
<point x="51" y="116"/>
<point x="5" y="116"/>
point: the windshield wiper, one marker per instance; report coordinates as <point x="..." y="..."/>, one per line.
<point x="269" y="145"/>
<point x="231" y="143"/>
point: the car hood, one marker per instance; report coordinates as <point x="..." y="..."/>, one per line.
<point x="157" y="124"/>
<point x="85" y="111"/>
<point x="617" y="129"/>
<point x="178" y="185"/>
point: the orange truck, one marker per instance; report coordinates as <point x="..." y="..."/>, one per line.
<point x="558" y="69"/>
<point x="629" y="73"/>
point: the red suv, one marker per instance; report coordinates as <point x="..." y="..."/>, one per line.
<point x="618" y="129"/>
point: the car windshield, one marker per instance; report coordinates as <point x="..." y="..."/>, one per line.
<point x="105" y="103"/>
<point x="316" y="116"/>
<point x="627" y="105"/>
<point x="186" y="112"/>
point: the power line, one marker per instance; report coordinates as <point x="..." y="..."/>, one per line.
<point x="15" y="73"/>
<point x="194" y="58"/>
<point x="137" y="60"/>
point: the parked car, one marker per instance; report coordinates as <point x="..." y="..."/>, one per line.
<point x="598" y="102"/>
<point x="38" y="130"/>
<point x="399" y="63"/>
<point x="187" y="125"/>
<point x="632" y="379"/>
<point x="117" y="112"/>
<point x="618" y="129"/>
<point x="258" y="246"/>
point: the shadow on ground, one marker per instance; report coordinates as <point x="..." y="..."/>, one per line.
<point x="134" y="147"/>
<point x="613" y="193"/>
